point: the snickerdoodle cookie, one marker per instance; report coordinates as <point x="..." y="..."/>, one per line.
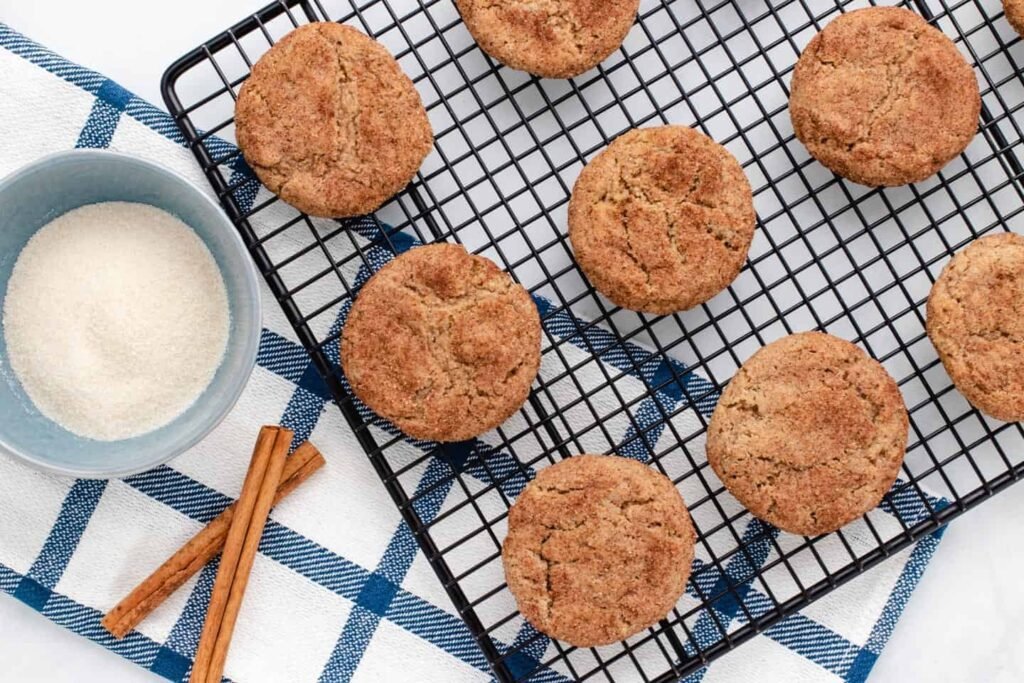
<point x="882" y="98"/>
<point x="442" y="343"/>
<point x="662" y="219"/>
<point x="598" y="548"/>
<point x="809" y="434"/>
<point x="329" y="122"/>
<point x="549" y="38"/>
<point x="976" y="322"/>
<point x="1014" y="10"/>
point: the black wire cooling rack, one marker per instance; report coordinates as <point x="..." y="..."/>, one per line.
<point x="828" y="255"/>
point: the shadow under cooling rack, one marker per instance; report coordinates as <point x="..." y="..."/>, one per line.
<point x="827" y="255"/>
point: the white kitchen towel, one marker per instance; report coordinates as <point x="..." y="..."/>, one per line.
<point x="340" y="591"/>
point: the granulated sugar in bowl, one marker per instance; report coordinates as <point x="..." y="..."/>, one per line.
<point x="115" y="320"/>
<point x="113" y="357"/>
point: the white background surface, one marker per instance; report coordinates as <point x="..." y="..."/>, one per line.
<point x="962" y="624"/>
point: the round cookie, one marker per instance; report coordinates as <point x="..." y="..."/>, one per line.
<point x="976" y="322"/>
<point x="662" y="219"/>
<point x="309" y="122"/>
<point x="442" y="343"/>
<point x="598" y="548"/>
<point x="809" y="434"/>
<point x="550" y="38"/>
<point x="882" y="98"/>
<point x="1014" y="10"/>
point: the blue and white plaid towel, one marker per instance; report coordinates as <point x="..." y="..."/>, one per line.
<point x="340" y="590"/>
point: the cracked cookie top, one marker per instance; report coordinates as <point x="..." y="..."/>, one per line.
<point x="976" y="322"/>
<point x="598" y="548"/>
<point x="329" y="122"/>
<point x="661" y="220"/>
<point x="549" y="38"/>
<point x="809" y="434"/>
<point x="442" y="343"/>
<point x="882" y="98"/>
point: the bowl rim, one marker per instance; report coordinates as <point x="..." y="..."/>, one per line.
<point x="251" y="335"/>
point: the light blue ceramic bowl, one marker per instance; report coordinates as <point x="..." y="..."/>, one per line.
<point x="32" y="197"/>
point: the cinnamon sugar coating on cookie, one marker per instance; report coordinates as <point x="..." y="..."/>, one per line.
<point x="662" y="219"/>
<point x="809" y="434"/>
<point x="549" y="38"/>
<point x="598" y="548"/>
<point x="442" y="343"/>
<point x="1014" y="10"/>
<point x="882" y="98"/>
<point x="976" y="322"/>
<point x="329" y="122"/>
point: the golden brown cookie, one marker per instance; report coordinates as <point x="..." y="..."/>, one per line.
<point x="598" y="548"/>
<point x="976" y="322"/>
<point x="549" y="38"/>
<point x="442" y="343"/>
<point x="329" y="122"/>
<point x="662" y="219"/>
<point x="1014" y="10"/>
<point x="809" y="434"/>
<point x="882" y="98"/>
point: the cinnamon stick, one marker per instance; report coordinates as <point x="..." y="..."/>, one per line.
<point x="261" y="483"/>
<point x="200" y="549"/>
<point x="252" y="542"/>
